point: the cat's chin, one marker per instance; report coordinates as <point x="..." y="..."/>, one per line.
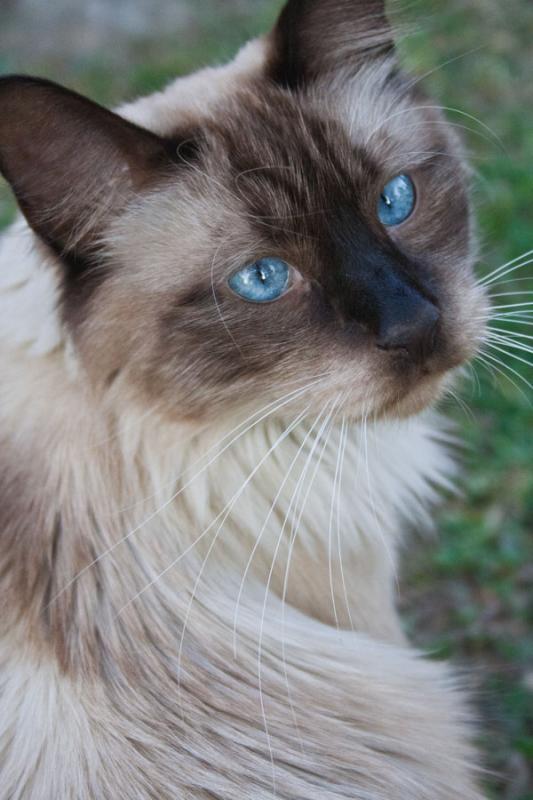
<point x="425" y="394"/>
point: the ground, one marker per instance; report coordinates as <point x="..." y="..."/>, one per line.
<point x="468" y="593"/>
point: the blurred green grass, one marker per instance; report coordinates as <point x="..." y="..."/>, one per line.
<point x="470" y="595"/>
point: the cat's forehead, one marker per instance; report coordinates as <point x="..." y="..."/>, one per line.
<point x="276" y="148"/>
<point x="289" y="159"/>
<point x="365" y="126"/>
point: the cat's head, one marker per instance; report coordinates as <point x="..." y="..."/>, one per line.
<point x="307" y="226"/>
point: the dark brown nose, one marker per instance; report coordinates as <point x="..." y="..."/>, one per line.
<point x="414" y="330"/>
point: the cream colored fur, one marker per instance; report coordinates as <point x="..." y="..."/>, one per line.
<point x="258" y="698"/>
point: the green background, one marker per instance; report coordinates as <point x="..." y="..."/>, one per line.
<point x="467" y="595"/>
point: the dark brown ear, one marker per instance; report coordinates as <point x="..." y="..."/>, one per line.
<point x="71" y="163"/>
<point x="314" y="38"/>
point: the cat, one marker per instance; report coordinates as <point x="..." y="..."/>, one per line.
<point x="226" y="313"/>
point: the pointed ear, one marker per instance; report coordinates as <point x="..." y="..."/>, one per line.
<point x="314" y="38"/>
<point x="71" y="163"/>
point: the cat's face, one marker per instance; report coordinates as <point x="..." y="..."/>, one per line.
<point x="312" y="229"/>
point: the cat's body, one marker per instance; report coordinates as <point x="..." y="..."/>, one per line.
<point x="177" y="621"/>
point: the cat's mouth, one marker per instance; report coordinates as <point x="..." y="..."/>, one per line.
<point x="417" y="387"/>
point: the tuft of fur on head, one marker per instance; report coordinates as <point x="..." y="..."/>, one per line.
<point x="202" y="499"/>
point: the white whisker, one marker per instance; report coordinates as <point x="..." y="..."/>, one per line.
<point x="434" y="123"/>
<point x="525" y="304"/>
<point x="475" y="378"/>
<point x="461" y="403"/>
<point x="260" y="647"/>
<point x="333" y="504"/>
<point x="344" y="442"/>
<point x="372" y="502"/>
<point x="263" y="528"/>
<point x="262" y="413"/>
<point x="506" y="353"/>
<point x="273" y="408"/>
<point x="217" y="533"/>
<point x="420" y="78"/>
<point x="504" y="340"/>
<point x="292" y="540"/>
<point x="226" y="511"/>
<point x="494" y="137"/>
<point x="490" y="368"/>
<point x="494" y="371"/>
<point x="513" y="334"/>
<point x="216" y="301"/>
<point x="515" y="317"/>
<point x="512" y="294"/>
<point x="494" y="277"/>
<point x="492" y="358"/>
<point x="514" y="280"/>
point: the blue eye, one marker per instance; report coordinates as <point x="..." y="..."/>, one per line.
<point x="397" y="201"/>
<point x="263" y="281"/>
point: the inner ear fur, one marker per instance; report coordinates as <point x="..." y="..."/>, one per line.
<point x="72" y="163"/>
<point x="315" y="38"/>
